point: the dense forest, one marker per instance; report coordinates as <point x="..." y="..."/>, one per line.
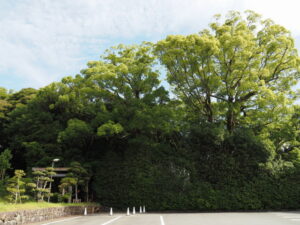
<point x="206" y="121"/>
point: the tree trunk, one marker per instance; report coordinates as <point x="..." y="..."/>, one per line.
<point x="18" y="190"/>
<point x="87" y="192"/>
<point x="230" y="116"/>
<point x="230" y="121"/>
<point x="71" y="192"/>
<point x="2" y="174"/>
<point x="208" y="108"/>
<point x="76" y="194"/>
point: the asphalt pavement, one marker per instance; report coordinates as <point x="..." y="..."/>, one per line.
<point x="242" y="218"/>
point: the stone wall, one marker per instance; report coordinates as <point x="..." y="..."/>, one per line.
<point x="37" y="215"/>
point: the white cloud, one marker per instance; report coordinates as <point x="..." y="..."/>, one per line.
<point x="43" y="40"/>
<point x="284" y="12"/>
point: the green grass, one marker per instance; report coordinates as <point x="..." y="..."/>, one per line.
<point x="7" y="207"/>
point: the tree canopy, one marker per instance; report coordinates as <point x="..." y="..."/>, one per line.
<point x="240" y="70"/>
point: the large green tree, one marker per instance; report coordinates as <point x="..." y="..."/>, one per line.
<point x="240" y="71"/>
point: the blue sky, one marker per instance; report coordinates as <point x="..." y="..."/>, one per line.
<point x="42" y="41"/>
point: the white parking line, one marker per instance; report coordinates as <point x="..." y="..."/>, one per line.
<point x="110" y="221"/>
<point x="61" y="220"/>
<point x="162" y="220"/>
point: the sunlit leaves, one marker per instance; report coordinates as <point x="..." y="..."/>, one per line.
<point x="239" y="65"/>
<point x="109" y="128"/>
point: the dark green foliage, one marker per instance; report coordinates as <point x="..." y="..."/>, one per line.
<point x="5" y="158"/>
<point x="3" y="191"/>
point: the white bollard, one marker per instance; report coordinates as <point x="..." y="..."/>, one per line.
<point x="128" y="211"/>
<point x="141" y="209"/>
<point x="144" y="209"/>
<point x="85" y="211"/>
<point x="133" y="211"/>
<point x="111" y="212"/>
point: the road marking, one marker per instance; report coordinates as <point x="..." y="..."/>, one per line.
<point x="62" y="220"/>
<point x="162" y="220"/>
<point x="110" y="221"/>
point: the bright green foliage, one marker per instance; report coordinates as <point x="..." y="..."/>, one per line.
<point x="80" y="176"/>
<point x="109" y="128"/>
<point x="5" y="158"/>
<point x="22" y="97"/>
<point x="129" y="86"/>
<point x="240" y="70"/>
<point x="66" y="187"/>
<point x="126" y="72"/>
<point x="16" y="187"/>
<point x="43" y="179"/>
<point x="4" y="103"/>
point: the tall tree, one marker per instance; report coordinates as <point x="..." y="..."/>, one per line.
<point x="239" y="70"/>
<point x="128" y="84"/>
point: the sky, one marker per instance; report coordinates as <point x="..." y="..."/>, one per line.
<point x="42" y="41"/>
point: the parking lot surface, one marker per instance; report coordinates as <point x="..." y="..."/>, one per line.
<point x="242" y="218"/>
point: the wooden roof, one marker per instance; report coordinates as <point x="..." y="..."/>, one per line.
<point x="57" y="169"/>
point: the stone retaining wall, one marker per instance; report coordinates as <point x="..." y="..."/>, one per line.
<point x="37" y="215"/>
